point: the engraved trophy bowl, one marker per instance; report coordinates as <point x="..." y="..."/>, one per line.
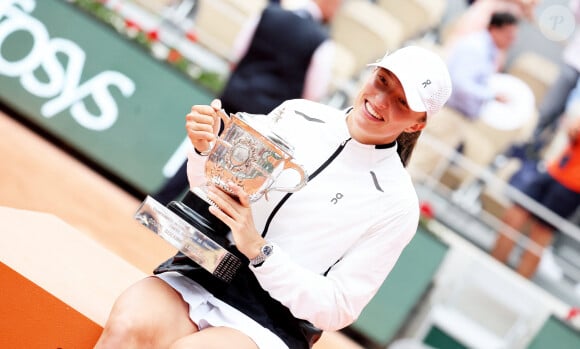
<point x="251" y="155"/>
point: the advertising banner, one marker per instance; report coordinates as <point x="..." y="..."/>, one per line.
<point x="94" y="90"/>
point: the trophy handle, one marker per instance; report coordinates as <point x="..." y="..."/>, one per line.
<point x="303" y="178"/>
<point x="224" y="116"/>
<point x="225" y="119"/>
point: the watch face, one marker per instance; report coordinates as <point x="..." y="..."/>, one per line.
<point x="267" y="250"/>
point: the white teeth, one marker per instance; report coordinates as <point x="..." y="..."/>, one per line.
<point x="372" y="111"/>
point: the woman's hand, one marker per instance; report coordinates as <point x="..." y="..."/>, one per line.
<point x="235" y="211"/>
<point x="202" y="125"/>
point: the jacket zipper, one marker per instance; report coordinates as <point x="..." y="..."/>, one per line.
<point x="311" y="177"/>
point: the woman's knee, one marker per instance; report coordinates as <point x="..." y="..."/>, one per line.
<point x="124" y="328"/>
<point x="148" y="312"/>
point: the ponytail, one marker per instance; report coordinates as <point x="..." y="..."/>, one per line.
<point x="405" y="145"/>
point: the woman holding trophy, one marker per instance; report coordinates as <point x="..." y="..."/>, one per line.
<point x="311" y="259"/>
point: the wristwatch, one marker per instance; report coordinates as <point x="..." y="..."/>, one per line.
<point x="265" y="251"/>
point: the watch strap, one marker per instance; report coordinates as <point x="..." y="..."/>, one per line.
<point x="265" y="251"/>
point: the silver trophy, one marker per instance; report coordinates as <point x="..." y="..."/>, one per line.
<point x="248" y="154"/>
<point x="252" y="156"/>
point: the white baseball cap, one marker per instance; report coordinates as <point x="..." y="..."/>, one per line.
<point x="424" y="77"/>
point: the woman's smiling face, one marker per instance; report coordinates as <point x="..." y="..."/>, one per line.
<point x="380" y="111"/>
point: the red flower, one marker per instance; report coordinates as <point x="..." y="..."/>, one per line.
<point x="191" y="36"/>
<point x="426" y="210"/>
<point x="153" y="35"/>
<point x="173" y="56"/>
<point x="131" y="24"/>
<point x="572" y="313"/>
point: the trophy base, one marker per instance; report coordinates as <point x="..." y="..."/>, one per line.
<point x="196" y="212"/>
<point x="191" y="233"/>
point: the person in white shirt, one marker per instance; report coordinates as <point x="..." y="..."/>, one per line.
<point x="313" y="258"/>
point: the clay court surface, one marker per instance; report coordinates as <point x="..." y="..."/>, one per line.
<point x="69" y="220"/>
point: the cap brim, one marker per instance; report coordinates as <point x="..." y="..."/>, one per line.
<point x="406" y="79"/>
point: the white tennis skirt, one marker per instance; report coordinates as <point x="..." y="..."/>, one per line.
<point x="205" y="310"/>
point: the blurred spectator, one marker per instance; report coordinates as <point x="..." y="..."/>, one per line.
<point x="471" y="62"/>
<point x="554" y="102"/>
<point x="279" y="55"/>
<point x="557" y="189"/>
<point x="477" y="17"/>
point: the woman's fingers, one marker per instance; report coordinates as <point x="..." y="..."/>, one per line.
<point x="235" y="206"/>
<point x="200" y="126"/>
<point x="236" y="213"/>
<point x="242" y="196"/>
<point x="224" y="202"/>
<point x="204" y="108"/>
<point x="216" y="104"/>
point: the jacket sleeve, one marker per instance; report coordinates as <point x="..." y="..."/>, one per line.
<point x="195" y="169"/>
<point x="334" y="301"/>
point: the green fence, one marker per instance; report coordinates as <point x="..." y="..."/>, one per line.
<point x="403" y="289"/>
<point x="93" y="89"/>
<point x="556" y="334"/>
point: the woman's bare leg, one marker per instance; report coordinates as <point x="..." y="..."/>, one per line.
<point x="216" y="338"/>
<point x="149" y="314"/>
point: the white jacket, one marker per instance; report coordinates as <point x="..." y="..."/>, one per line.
<point x="359" y="212"/>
